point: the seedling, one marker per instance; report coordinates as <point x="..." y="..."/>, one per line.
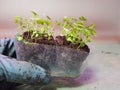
<point x="63" y="54"/>
<point x="75" y="30"/>
<point x="35" y="26"/>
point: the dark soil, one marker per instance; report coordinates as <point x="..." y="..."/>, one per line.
<point x="42" y="39"/>
<point x="58" y="40"/>
<point x="62" y="41"/>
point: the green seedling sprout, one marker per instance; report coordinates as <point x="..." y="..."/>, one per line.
<point x="74" y="29"/>
<point x="36" y="25"/>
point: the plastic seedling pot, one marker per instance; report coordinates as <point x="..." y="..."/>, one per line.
<point x="62" y="61"/>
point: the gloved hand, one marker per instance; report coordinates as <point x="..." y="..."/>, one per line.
<point x="24" y="72"/>
<point x="15" y="71"/>
<point x="7" y="48"/>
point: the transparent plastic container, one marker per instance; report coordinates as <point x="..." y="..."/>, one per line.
<point x="62" y="61"/>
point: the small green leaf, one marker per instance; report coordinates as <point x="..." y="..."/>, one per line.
<point x="40" y="21"/>
<point x="47" y="22"/>
<point x="66" y="25"/>
<point x="82" y="18"/>
<point x="20" y="38"/>
<point x="34" y="13"/>
<point x="82" y="44"/>
<point x="58" y="23"/>
<point x="88" y="39"/>
<point x="42" y="30"/>
<point x="17" y="18"/>
<point x="48" y="17"/>
<point x="86" y="32"/>
<point x="91" y="28"/>
<point x="69" y="39"/>
<point x="74" y="19"/>
<point x="80" y="24"/>
<point x="65" y="18"/>
<point x="66" y="30"/>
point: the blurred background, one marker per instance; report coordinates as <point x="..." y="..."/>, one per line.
<point x="104" y="13"/>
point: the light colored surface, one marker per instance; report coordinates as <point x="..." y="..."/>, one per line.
<point x="104" y="13"/>
<point x="102" y="71"/>
<point x="104" y="62"/>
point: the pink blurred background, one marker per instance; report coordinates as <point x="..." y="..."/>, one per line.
<point x="104" y="13"/>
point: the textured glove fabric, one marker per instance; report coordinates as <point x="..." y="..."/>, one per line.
<point x="12" y="70"/>
<point x="7" y="48"/>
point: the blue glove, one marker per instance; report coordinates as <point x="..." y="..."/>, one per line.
<point x="12" y="70"/>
